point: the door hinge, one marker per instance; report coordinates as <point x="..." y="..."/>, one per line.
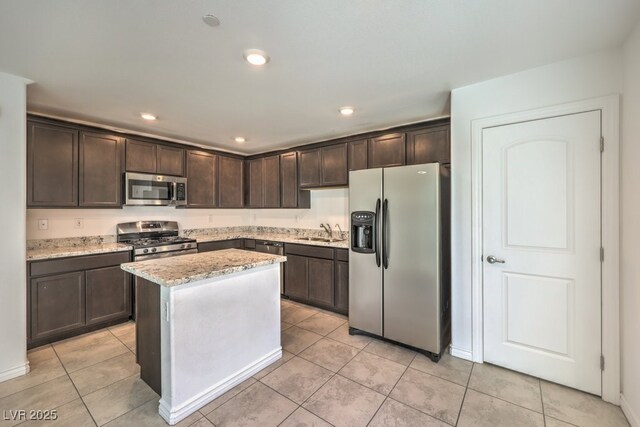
<point x="602" y="144"/>
<point x="601" y="254"/>
<point x="602" y="362"/>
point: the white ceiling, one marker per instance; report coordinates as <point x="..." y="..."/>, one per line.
<point x="395" y="61"/>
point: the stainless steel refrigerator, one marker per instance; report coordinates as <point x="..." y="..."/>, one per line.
<point x="399" y="286"/>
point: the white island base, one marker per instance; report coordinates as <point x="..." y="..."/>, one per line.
<point x="214" y="334"/>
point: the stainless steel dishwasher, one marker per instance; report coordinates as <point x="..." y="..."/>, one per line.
<point x="276" y="248"/>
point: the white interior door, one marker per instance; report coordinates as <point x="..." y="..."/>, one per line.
<point x="541" y="215"/>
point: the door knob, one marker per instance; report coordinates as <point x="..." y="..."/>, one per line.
<point x="492" y="260"/>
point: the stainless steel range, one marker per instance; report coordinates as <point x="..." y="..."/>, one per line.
<point x="155" y="239"/>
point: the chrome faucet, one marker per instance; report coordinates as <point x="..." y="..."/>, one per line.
<point x="327" y="228"/>
<point x="340" y="236"/>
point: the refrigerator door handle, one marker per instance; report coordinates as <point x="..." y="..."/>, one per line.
<point x="383" y="232"/>
<point x="376" y="234"/>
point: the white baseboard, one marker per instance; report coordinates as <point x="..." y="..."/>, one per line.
<point x="462" y="354"/>
<point x="15" y="372"/>
<point x="632" y="417"/>
<point x="175" y="415"/>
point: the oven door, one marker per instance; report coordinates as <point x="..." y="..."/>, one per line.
<point x="152" y="190"/>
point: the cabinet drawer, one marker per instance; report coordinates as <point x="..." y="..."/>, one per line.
<point x="342" y="255"/>
<point x="216" y="246"/>
<point x="309" y="251"/>
<point x="249" y="243"/>
<point x="87" y="262"/>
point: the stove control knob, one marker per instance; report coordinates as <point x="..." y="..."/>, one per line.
<point x="183" y="246"/>
<point x="153" y="250"/>
<point x="145" y="251"/>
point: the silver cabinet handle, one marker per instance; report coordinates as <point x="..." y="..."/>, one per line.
<point x="492" y="260"/>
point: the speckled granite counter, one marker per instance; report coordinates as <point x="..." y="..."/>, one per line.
<point x="175" y="271"/>
<point x="36" y="252"/>
<point x="286" y="235"/>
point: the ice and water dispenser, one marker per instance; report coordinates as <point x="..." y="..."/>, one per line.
<point x="363" y="232"/>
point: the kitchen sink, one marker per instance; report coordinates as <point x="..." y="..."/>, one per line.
<point x="320" y="239"/>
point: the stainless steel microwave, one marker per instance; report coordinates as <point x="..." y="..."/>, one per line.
<point x="155" y="190"/>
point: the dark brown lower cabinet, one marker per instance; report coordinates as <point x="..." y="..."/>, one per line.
<point x="341" y="287"/>
<point x="75" y="295"/>
<point x="108" y="293"/>
<point x="57" y="304"/>
<point x="222" y="244"/>
<point x="317" y="276"/>
<point x="296" y="282"/>
<point x="321" y="281"/>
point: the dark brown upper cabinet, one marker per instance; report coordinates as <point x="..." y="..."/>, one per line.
<point x="170" y="160"/>
<point x="263" y="180"/>
<point x="272" y="182"/>
<point x="100" y="170"/>
<point x="52" y="165"/>
<point x="324" y="167"/>
<point x="428" y="145"/>
<point x="386" y="151"/>
<point x="291" y="196"/>
<point x="202" y="174"/>
<point x="147" y="157"/>
<point x="231" y="179"/>
<point x="358" y="155"/>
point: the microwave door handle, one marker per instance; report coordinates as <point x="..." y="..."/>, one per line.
<point x="172" y="193"/>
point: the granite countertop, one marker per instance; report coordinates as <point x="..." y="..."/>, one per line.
<point x="52" y="252"/>
<point x="175" y="271"/>
<point x="275" y="237"/>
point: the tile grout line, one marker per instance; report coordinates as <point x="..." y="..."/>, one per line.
<point x="74" y="386"/>
<point x="544" y="418"/>
<point x="464" y="396"/>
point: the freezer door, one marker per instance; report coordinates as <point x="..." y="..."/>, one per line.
<point x="411" y="239"/>
<point x="365" y="277"/>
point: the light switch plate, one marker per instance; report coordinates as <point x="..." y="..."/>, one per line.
<point x="78" y="223"/>
<point x="43" y="224"/>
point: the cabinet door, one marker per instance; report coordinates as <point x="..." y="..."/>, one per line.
<point x="321" y="281"/>
<point x="342" y="286"/>
<point x="141" y="156"/>
<point x="334" y="165"/>
<point x="57" y="304"/>
<point x="255" y="179"/>
<point x="231" y="179"/>
<point x="358" y="155"/>
<point x="52" y="165"/>
<point x="101" y="159"/>
<point x="309" y="168"/>
<point x="108" y="294"/>
<point x="169" y="160"/>
<point x="271" y="167"/>
<point x="387" y="150"/>
<point x="428" y="146"/>
<point x="289" y="180"/>
<point x="202" y="179"/>
<point x="295" y="283"/>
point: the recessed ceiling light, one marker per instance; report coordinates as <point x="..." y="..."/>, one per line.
<point x="256" y="57"/>
<point x="239" y="139"/>
<point x="211" y="20"/>
<point x="347" y="110"/>
<point x="422" y="172"/>
<point x="148" y="116"/>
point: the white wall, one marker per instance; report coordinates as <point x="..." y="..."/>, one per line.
<point x="630" y="229"/>
<point x="567" y="81"/>
<point x="13" y="175"/>
<point x="326" y="206"/>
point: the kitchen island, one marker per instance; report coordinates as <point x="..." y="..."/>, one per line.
<point x="205" y="323"/>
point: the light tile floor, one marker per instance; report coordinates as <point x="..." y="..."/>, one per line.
<point x="326" y="377"/>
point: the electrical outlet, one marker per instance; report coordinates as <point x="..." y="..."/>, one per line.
<point x="78" y="223"/>
<point x="210" y="218"/>
<point x="43" y="224"/>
